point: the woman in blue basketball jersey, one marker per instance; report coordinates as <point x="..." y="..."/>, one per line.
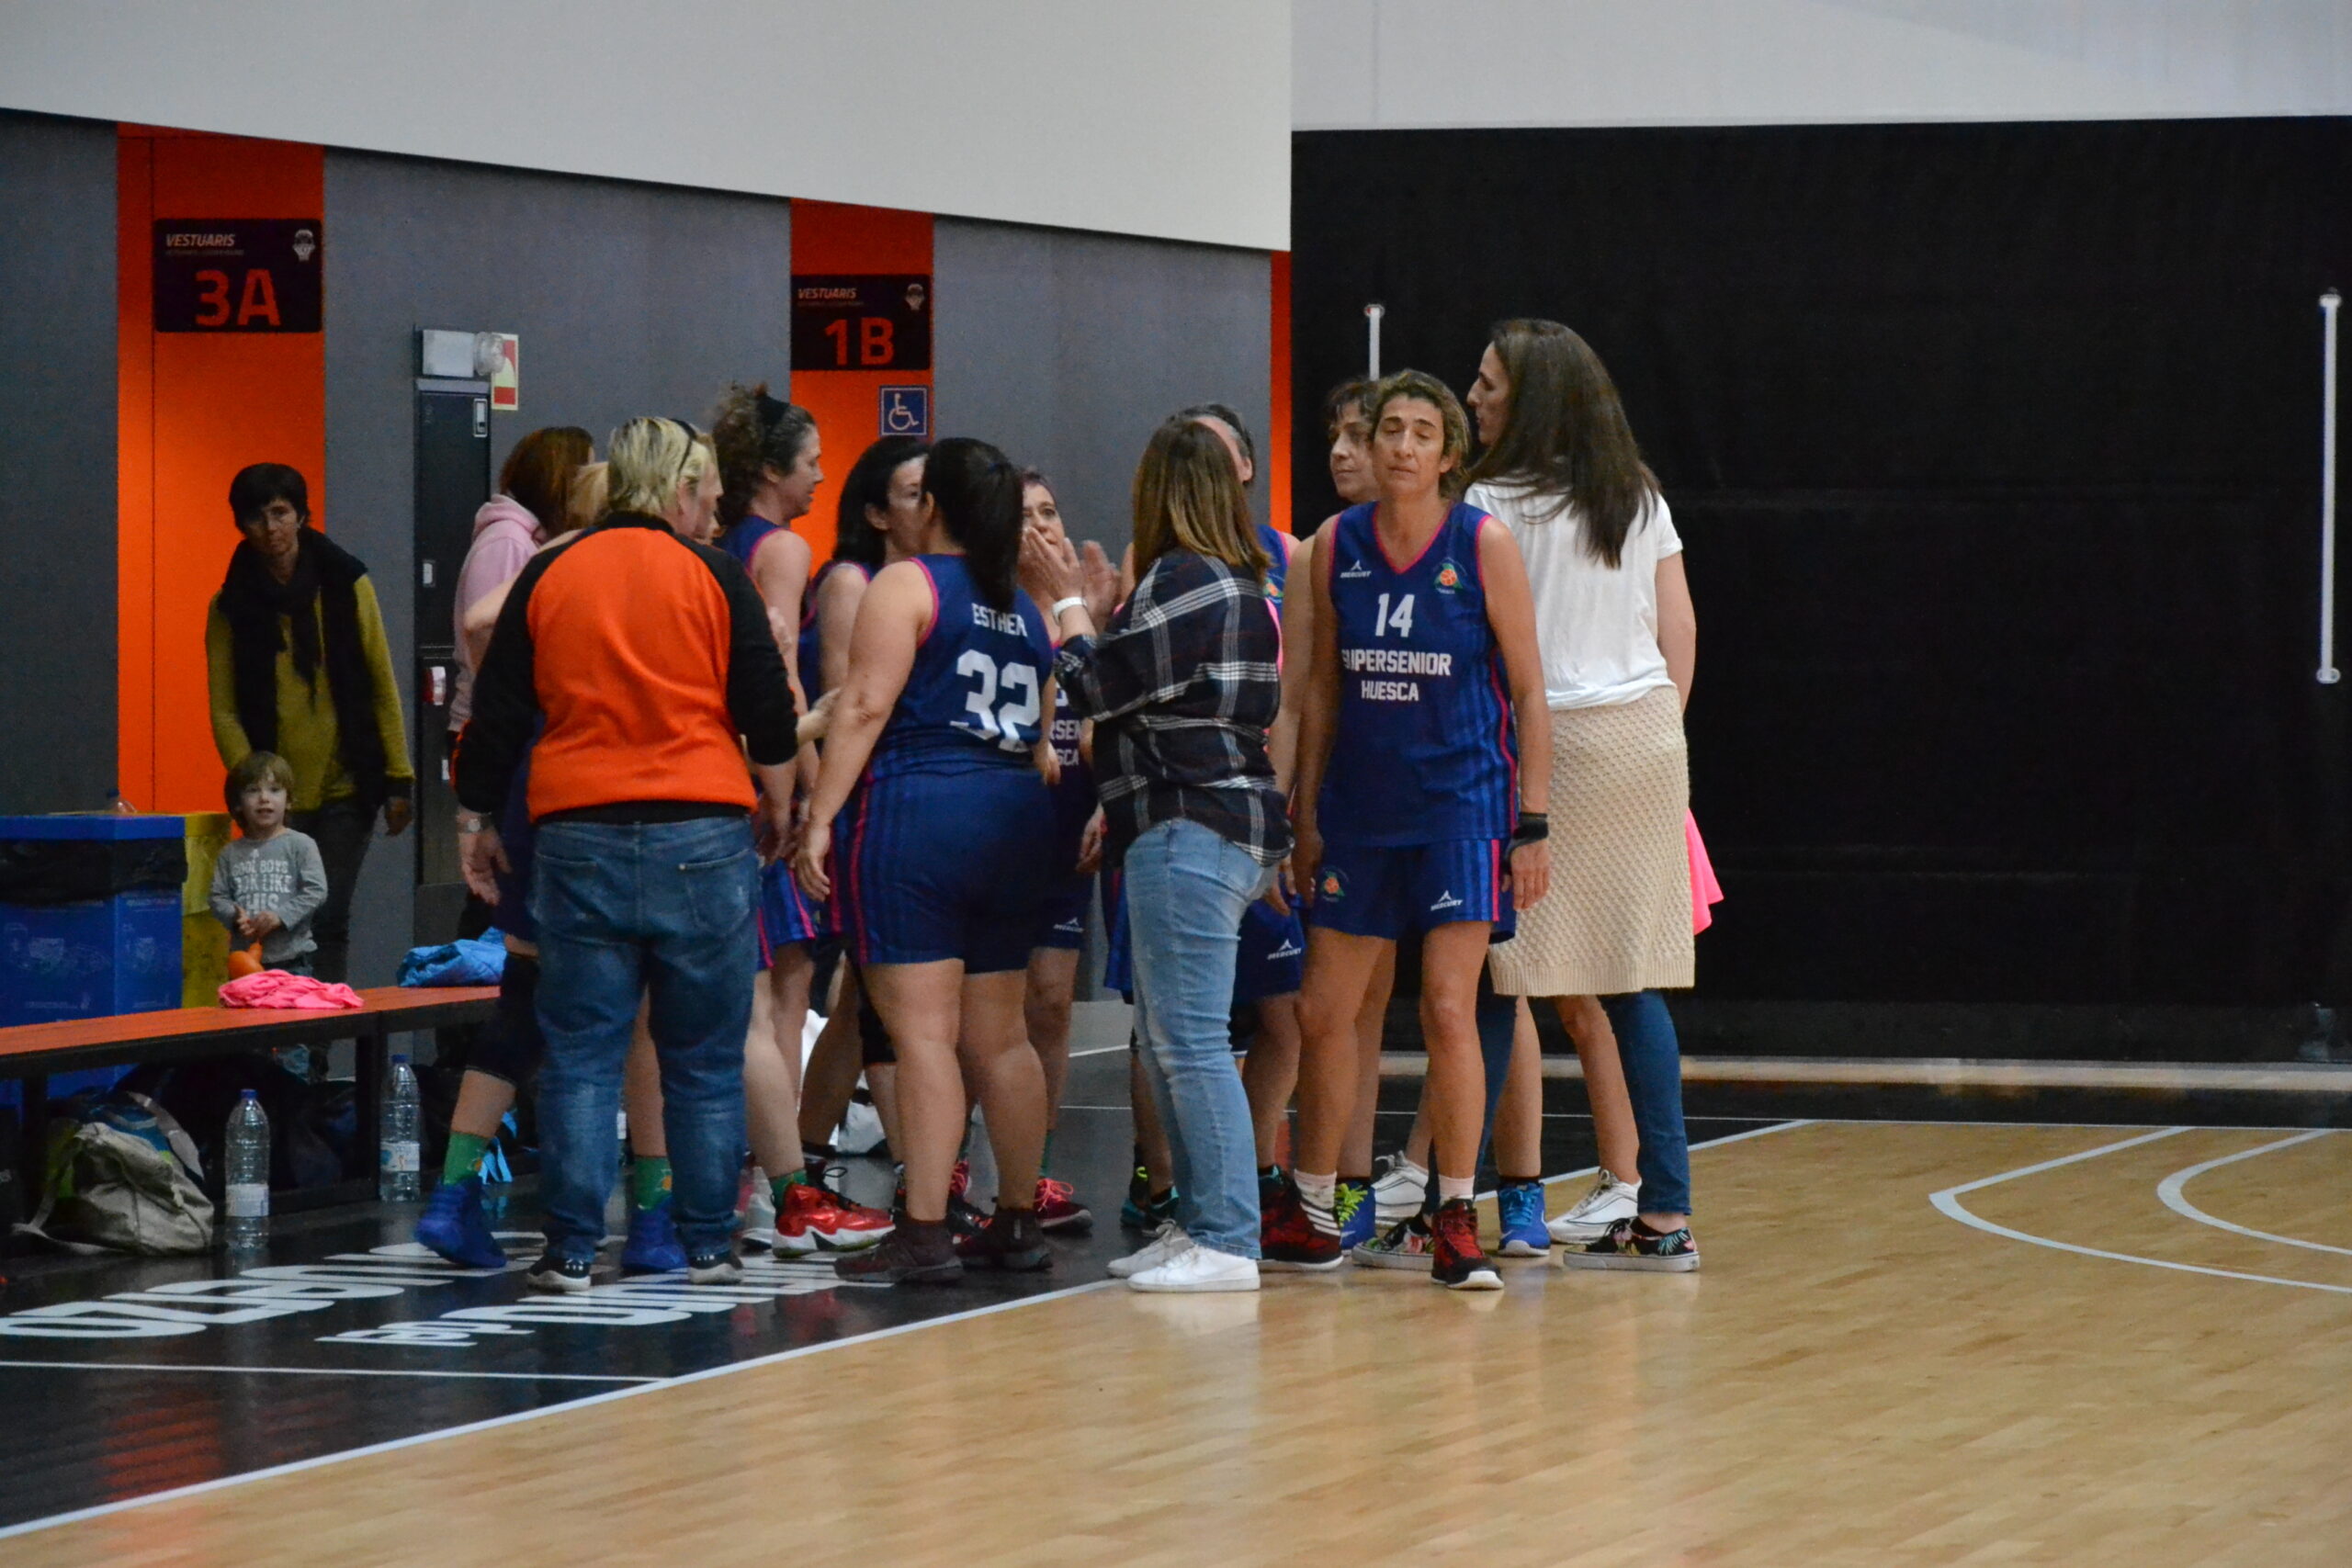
<point x="932" y="870"/>
<point x="1072" y="856"/>
<point x="878" y="520"/>
<point x="1420" y="801"/>
<point x="770" y="462"/>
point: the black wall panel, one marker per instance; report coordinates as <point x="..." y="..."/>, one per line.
<point x="1996" y="450"/>
<point x="57" y="481"/>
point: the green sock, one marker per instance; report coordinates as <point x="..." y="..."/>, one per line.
<point x="649" y="1182"/>
<point x="777" y="1184"/>
<point x="463" y="1158"/>
<point x="1045" y="1160"/>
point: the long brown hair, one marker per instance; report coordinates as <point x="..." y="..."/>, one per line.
<point x="1188" y="497"/>
<point x="540" y="471"/>
<point x="1564" y="436"/>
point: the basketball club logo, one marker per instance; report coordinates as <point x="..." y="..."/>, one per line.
<point x="1448" y="577"/>
<point x="1331" y="884"/>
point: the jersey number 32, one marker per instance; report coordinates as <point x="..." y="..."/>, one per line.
<point x="1013" y="725"/>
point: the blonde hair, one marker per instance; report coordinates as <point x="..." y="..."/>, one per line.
<point x="649" y="460"/>
<point x="1188" y="497"/>
<point x="1422" y="387"/>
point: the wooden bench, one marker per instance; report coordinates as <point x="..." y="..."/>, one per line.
<point x="30" y="1052"/>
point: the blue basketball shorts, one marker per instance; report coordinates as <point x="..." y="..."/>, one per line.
<point x="1270" y="961"/>
<point x="786" y="914"/>
<point x="929" y="867"/>
<point x="1061" y="920"/>
<point x="1387" y="890"/>
<point x="1274" y="954"/>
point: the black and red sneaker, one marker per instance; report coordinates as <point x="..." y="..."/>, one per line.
<point x="1629" y="1244"/>
<point x="1459" y="1262"/>
<point x="1010" y="1240"/>
<point x="1290" y="1237"/>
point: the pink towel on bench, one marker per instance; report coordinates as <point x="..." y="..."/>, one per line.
<point x="276" y="988"/>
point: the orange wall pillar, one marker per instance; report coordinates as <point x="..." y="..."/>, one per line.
<point x="832" y="237"/>
<point x="195" y="408"/>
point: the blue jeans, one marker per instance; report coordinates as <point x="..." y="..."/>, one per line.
<point x="1653" y="1061"/>
<point x="661" y="909"/>
<point x="1187" y="889"/>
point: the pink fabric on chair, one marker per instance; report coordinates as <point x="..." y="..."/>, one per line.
<point x="1705" y="888"/>
<point x="276" y="988"/>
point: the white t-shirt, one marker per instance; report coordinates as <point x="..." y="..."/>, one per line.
<point x="1598" y="627"/>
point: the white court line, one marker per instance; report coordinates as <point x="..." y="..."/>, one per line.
<point x="323" y="1371"/>
<point x="1702" y="1144"/>
<point x="419" y="1439"/>
<point x="1948" y="1202"/>
<point x="2170" y="1190"/>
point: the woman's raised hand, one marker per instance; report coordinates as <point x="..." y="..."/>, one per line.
<point x="1102" y="583"/>
<point x="1049" y="568"/>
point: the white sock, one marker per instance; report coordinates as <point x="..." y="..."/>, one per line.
<point x="1450" y="1188"/>
<point x="1318" y="1192"/>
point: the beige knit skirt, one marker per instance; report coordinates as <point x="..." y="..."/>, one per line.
<point x="1618" y="916"/>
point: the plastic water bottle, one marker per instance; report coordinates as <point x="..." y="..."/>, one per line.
<point x="247" y="1224"/>
<point x="399" y="1175"/>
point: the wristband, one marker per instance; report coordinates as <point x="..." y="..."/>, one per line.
<point x="473" y="824"/>
<point x="1074" y="600"/>
<point x="1534" y="827"/>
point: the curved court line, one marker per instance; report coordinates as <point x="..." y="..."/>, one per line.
<point x="2171" y="1191"/>
<point x="1948" y="1202"/>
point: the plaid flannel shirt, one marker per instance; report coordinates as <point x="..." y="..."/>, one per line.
<point x="1182" y="687"/>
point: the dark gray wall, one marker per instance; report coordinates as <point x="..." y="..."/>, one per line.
<point x="57" y="507"/>
<point x="1066" y="349"/>
<point x="629" y="300"/>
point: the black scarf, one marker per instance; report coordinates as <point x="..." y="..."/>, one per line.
<point x="252" y="601"/>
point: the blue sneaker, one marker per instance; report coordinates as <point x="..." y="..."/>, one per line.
<point x="453" y="1225"/>
<point x="1353" y="1206"/>
<point x="1522" y="1206"/>
<point x="654" y="1247"/>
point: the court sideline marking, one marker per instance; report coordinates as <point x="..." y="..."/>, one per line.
<point x="419" y="1438"/>
<point x="2171" y="1190"/>
<point x="325" y="1371"/>
<point x="1948" y="1202"/>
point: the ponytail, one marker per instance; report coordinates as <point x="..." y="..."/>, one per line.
<point x="977" y="490"/>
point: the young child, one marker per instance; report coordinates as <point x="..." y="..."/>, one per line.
<point x="267" y="883"/>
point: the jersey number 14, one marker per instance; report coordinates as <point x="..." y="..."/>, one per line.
<point x="1399" y="620"/>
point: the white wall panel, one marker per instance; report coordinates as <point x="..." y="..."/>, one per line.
<point x="1164" y="121"/>
<point x="1370" y="64"/>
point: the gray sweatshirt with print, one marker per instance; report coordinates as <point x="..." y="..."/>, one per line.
<point x="283" y="875"/>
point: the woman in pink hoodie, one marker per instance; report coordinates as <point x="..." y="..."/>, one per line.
<point x="534" y="493"/>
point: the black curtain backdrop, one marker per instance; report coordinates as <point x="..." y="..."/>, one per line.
<point x="1995" y="449"/>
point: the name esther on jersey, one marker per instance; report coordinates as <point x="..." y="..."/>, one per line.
<point x="1393" y="661"/>
<point x="1000" y="620"/>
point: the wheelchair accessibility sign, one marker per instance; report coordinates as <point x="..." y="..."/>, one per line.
<point x="905" y="410"/>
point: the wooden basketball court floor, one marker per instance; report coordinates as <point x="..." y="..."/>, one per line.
<point x="1933" y="1344"/>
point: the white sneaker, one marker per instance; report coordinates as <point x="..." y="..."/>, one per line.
<point x="1398" y="1191"/>
<point x="1170" y="1243"/>
<point x="1198" y="1268"/>
<point x="1609" y="1202"/>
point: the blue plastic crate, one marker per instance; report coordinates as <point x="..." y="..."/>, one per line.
<point x="91" y="960"/>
